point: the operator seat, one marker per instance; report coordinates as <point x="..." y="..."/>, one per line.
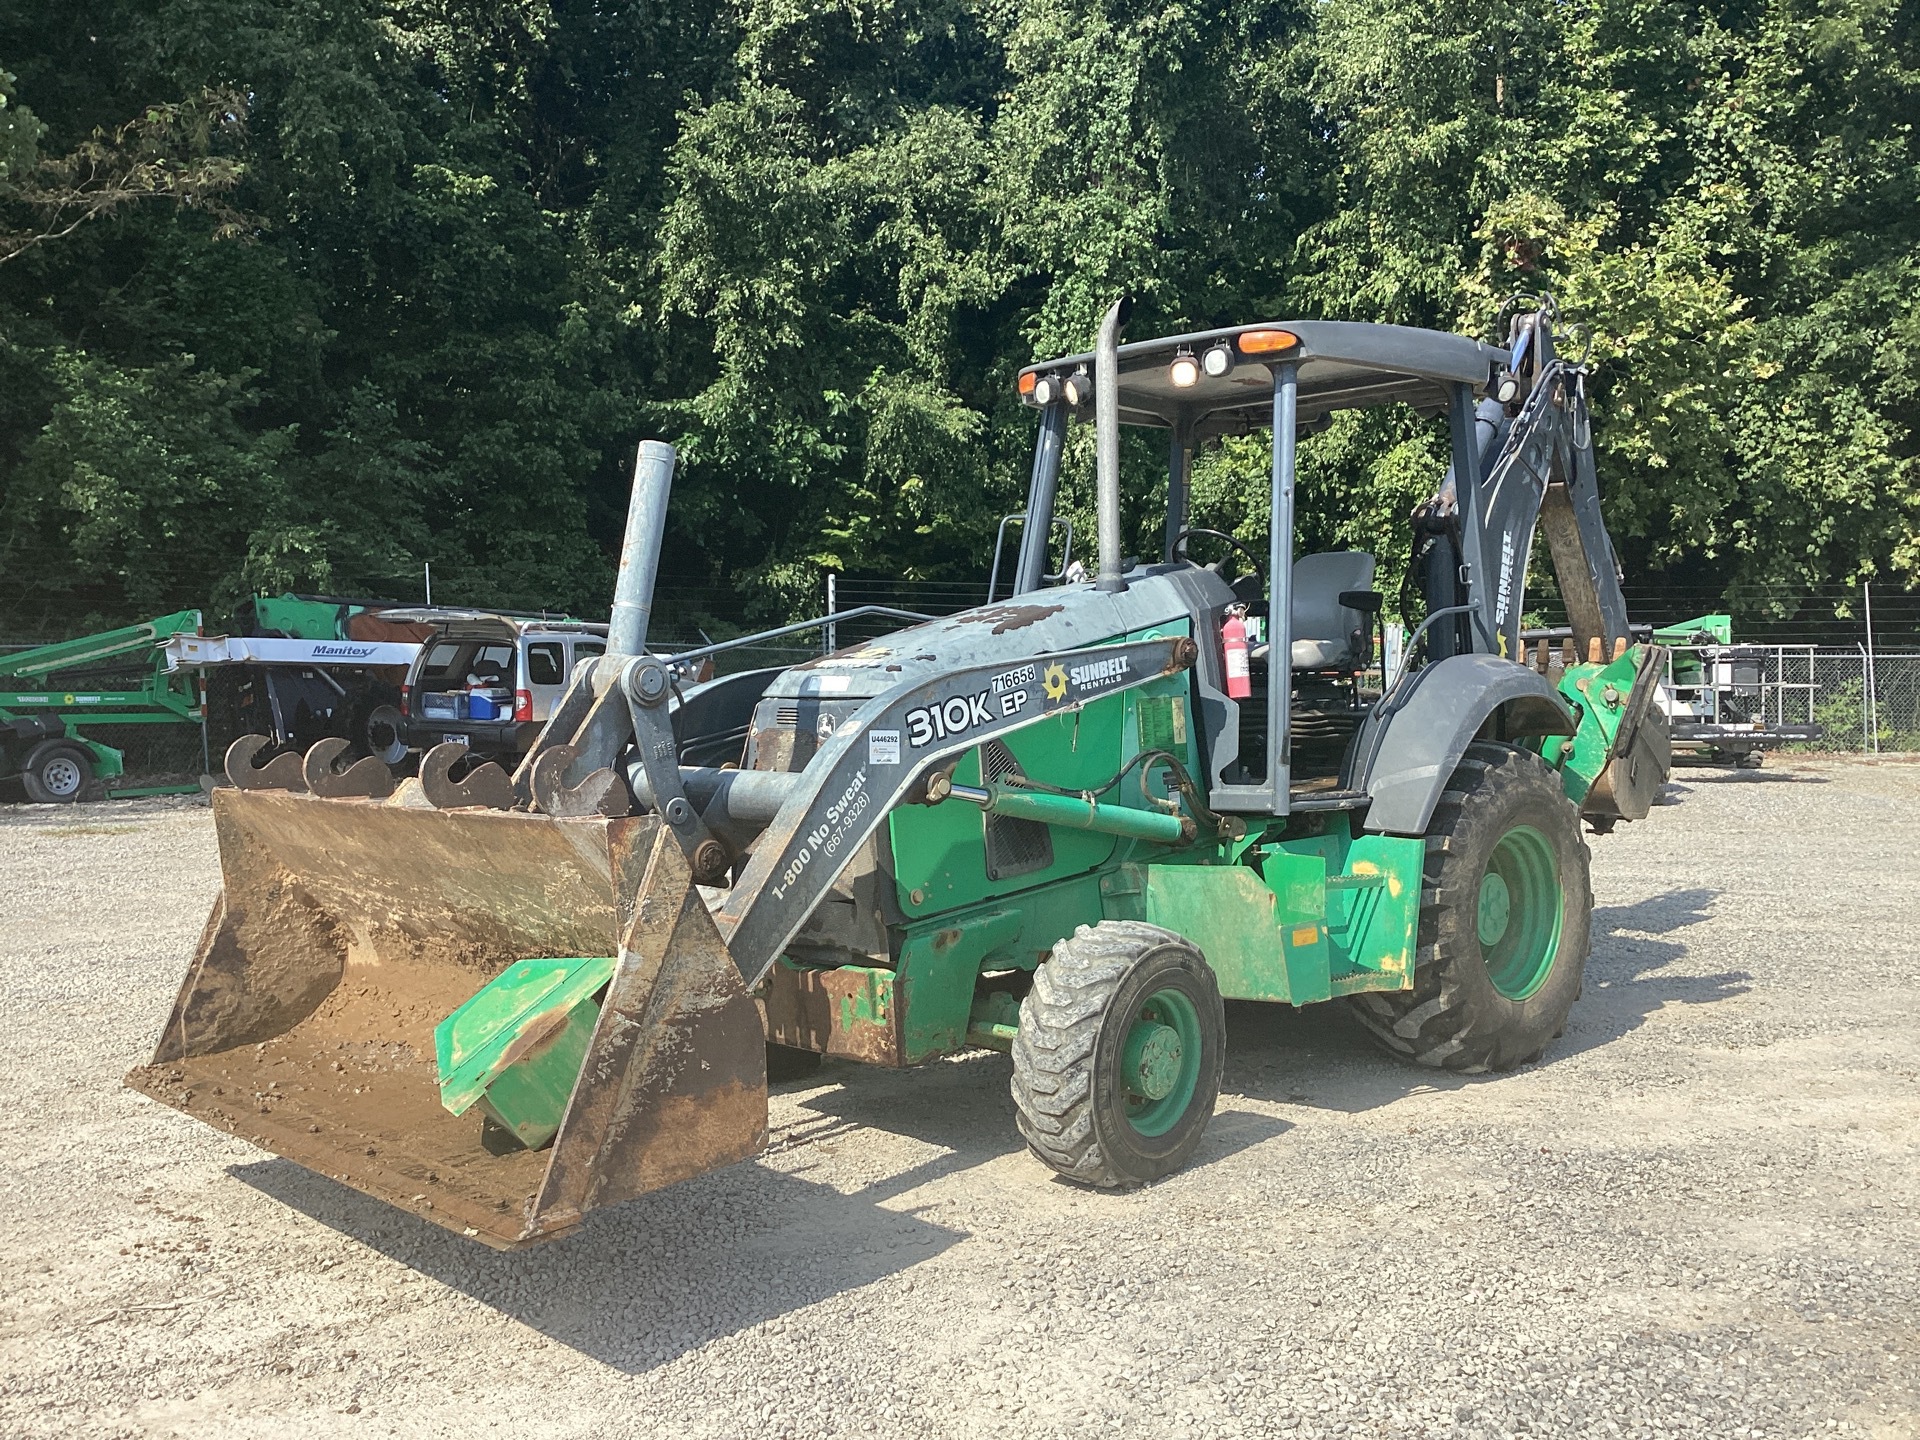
<point x="1328" y="635"/>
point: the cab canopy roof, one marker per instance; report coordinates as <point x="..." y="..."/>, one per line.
<point x="1343" y="365"/>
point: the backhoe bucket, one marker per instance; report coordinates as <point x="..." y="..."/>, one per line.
<point x="349" y="930"/>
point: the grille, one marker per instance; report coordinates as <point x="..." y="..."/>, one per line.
<point x="1014" y="847"/>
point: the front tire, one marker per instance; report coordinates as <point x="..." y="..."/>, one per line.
<point x="1116" y="1066"/>
<point x="1505" y="914"/>
<point x="56" y="773"/>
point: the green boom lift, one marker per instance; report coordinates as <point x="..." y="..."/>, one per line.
<point x="48" y="700"/>
<point x="1066" y="825"/>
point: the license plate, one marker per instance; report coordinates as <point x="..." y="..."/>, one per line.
<point x="456" y="739"/>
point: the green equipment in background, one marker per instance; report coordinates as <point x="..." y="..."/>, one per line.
<point x="1726" y="704"/>
<point x="49" y="699"/>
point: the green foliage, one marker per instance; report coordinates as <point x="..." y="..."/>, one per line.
<point x="421" y="274"/>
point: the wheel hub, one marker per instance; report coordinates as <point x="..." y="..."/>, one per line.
<point x="1520" y="911"/>
<point x="1152" y="1060"/>
<point x="61" y="776"/>
<point x="1496" y="908"/>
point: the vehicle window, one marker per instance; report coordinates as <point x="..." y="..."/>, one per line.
<point x="543" y="663"/>
<point x="442" y="662"/>
<point x="586" y="649"/>
<point x="494" y="662"/>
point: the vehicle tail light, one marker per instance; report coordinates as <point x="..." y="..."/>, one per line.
<point x="523" y="705"/>
<point x="406" y="699"/>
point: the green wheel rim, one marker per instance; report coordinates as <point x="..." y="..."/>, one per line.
<point x="1520" y="912"/>
<point x="1160" y="1061"/>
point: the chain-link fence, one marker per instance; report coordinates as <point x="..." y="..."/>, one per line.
<point x="1865" y="702"/>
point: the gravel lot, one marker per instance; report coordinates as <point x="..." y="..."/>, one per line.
<point x="1697" y="1217"/>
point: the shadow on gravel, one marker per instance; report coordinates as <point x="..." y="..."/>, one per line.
<point x="1318" y="1056"/>
<point x="644" y="1282"/>
<point x="964" y="1106"/>
<point x="1625" y="982"/>
<point x="1704" y="774"/>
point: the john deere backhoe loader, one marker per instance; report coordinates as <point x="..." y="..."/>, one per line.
<point x="1066" y="825"/>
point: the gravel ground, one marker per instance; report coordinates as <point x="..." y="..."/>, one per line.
<point x="1697" y="1217"/>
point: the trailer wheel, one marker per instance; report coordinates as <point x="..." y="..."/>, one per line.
<point x="1505" y="912"/>
<point x="56" y="773"/>
<point x="1116" y="1066"/>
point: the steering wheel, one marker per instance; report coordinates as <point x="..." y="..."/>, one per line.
<point x="1180" y="548"/>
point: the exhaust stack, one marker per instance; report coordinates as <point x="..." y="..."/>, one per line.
<point x="1106" y="423"/>
<point x="640" y="549"/>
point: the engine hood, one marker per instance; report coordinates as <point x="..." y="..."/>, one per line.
<point x="1042" y="623"/>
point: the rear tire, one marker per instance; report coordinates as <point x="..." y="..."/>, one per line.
<point x="1505" y="914"/>
<point x="57" y="772"/>
<point x="1116" y="1066"/>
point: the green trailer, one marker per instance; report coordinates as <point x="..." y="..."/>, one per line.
<point x="49" y="705"/>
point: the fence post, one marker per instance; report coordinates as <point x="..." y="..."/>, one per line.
<point x="831" y="634"/>
<point x="1866" y="701"/>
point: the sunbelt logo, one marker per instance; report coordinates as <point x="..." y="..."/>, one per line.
<point x="1097" y="673"/>
<point x="1503" y="599"/>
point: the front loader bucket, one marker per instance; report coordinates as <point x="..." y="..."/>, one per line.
<point x="348" y="930"/>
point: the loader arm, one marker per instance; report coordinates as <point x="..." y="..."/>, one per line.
<point x="876" y="758"/>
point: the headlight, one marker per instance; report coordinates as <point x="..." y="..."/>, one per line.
<point x="1078" y="389"/>
<point x="1218" y="360"/>
<point x="1184" y="372"/>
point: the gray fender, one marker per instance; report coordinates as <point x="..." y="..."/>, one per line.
<point x="1406" y="751"/>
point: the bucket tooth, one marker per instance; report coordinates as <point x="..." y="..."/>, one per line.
<point x="347" y="932"/>
<point x="365" y="779"/>
<point x="484" y="786"/>
<point x="283" y="772"/>
<point x="601" y="792"/>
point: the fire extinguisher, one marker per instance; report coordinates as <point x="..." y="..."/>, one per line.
<point x="1233" y="640"/>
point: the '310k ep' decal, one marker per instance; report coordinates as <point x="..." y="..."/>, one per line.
<point x="957" y="716"/>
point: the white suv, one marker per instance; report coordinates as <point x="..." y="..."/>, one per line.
<point x="490" y="681"/>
